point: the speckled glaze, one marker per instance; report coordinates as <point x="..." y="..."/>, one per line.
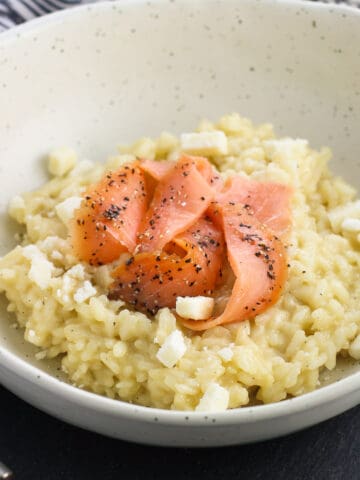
<point x="99" y="75"/>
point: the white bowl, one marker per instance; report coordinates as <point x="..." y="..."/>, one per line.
<point x="97" y="75"/>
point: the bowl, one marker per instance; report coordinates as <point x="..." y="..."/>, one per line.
<point x="96" y="75"/>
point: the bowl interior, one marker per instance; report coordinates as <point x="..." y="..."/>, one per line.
<point x="100" y="75"/>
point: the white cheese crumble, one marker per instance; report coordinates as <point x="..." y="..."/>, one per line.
<point x="204" y="143"/>
<point x="103" y="276"/>
<point x="16" y="208"/>
<point x="41" y="269"/>
<point x="119" y="349"/>
<point x="77" y="271"/>
<point x="40" y="355"/>
<point x="52" y="243"/>
<point x="354" y="349"/>
<point x="7" y="274"/>
<point x="172" y="349"/>
<point x="215" y="399"/>
<point x="31" y="334"/>
<point x="40" y="272"/>
<point x="56" y="255"/>
<point x="84" y="292"/>
<point x="288" y="146"/>
<point x="226" y="354"/>
<point x="351" y="225"/>
<point x="343" y="212"/>
<point x="65" y="210"/>
<point x="174" y="156"/>
<point x="82" y="167"/>
<point x="196" y="308"/>
<point x="61" y="161"/>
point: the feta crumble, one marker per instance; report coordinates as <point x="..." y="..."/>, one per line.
<point x="56" y="255"/>
<point x="172" y="349"/>
<point x="204" y="143"/>
<point x="40" y="269"/>
<point x="65" y="210"/>
<point x="61" y="161"/>
<point x="354" y="349"/>
<point x="215" y="399"/>
<point x="196" y="308"/>
<point x="77" y="271"/>
<point x="16" y="208"/>
<point x="40" y="272"/>
<point x="81" y="168"/>
<point x="338" y="215"/>
<point x="226" y="354"/>
<point x="84" y="292"/>
<point x="351" y="225"/>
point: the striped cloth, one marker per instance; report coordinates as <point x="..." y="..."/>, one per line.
<point x="13" y="12"/>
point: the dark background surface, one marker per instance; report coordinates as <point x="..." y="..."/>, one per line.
<point x="38" y="447"/>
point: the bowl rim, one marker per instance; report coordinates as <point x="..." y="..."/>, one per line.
<point x="16" y="31"/>
<point x="247" y="414"/>
<point x="119" y="408"/>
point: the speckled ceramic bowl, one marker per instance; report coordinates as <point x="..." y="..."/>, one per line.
<point x="97" y="75"/>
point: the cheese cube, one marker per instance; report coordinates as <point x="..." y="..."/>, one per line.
<point x="354" y="349"/>
<point x="77" y="271"/>
<point x="226" y="354"/>
<point x="119" y="349"/>
<point x="84" y="292"/>
<point x="82" y="168"/>
<point x="65" y="210"/>
<point x="196" y="308"/>
<point x="204" y="143"/>
<point x="215" y="399"/>
<point x="7" y="274"/>
<point x="61" y="161"/>
<point x="339" y="214"/>
<point x="351" y="225"/>
<point x="172" y="349"/>
<point x="40" y="268"/>
<point x="32" y="251"/>
<point x="41" y="271"/>
<point x="56" y="255"/>
<point x="17" y="209"/>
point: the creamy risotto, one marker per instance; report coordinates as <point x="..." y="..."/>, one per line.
<point x="107" y="347"/>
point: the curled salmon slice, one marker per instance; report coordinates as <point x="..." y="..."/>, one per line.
<point x="178" y="241"/>
<point x="258" y="259"/>
<point x="189" y="265"/>
<point x="108" y="220"/>
<point x="269" y="202"/>
<point x="180" y="199"/>
<point x="156" y="169"/>
<point x="208" y="171"/>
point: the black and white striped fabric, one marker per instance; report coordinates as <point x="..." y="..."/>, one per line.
<point x="13" y="12"/>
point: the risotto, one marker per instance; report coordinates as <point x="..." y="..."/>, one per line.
<point x="109" y="348"/>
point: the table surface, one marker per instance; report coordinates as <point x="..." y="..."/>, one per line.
<point x="38" y="447"/>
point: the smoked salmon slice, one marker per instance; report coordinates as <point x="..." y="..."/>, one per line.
<point x="258" y="260"/>
<point x="180" y="199"/>
<point x="183" y="227"/>
<point x="158" y="170"/>
<point x="189" y="265"/>
<point x="108" y="220"/>
<point x="269" y="202"/>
